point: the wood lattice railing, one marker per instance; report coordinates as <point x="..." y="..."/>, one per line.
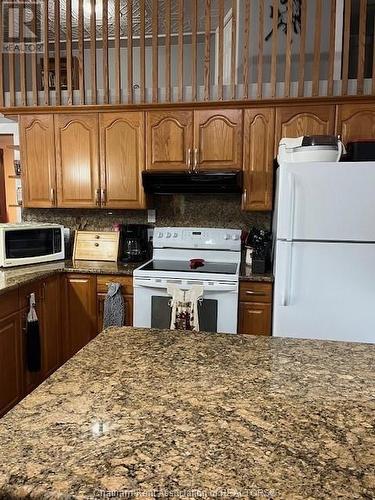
<point x="83" y="52"/>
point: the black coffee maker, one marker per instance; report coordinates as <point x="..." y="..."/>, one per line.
<point x="135" y="246"/>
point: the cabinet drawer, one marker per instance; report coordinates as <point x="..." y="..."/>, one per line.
<point x="99" y="236"/>
<point x="96" y="250"/>
<point x="125" y="281"/>
<point x="8" y="303"/>
<point x="255" y="319"/>
<point x="256" y="292"/>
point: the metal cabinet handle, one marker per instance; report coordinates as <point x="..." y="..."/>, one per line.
<point x="97" y="197"/>
<point x="188" y="159"/>
<point x="250" y="292"/>
<point x="43" y="297"/>
<point x="103" y="196"/>
<point x="195" y="168"/>
<point x="245" y="198"/>
<point x="52" y="196"/>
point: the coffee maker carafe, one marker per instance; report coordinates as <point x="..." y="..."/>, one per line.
<point x="134" y="243"/>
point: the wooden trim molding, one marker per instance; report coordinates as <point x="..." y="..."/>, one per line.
<point x="240" y="104"/>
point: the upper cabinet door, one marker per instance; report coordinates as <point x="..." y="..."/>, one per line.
<point x="169" y="140"/>
<point x="77" y="161"/>
<point x="218" y="139"/>
<point x="38" y="160"/>
<point x="356" y="121"/>
<point x="122" y="159"/>
<point x="259" y="133"/>
<point x="295" y="121"/>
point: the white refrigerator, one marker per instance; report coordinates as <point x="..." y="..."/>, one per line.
<point x="324" y="251"/>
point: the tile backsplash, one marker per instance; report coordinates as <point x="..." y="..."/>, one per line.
<point x="177" y="210"/>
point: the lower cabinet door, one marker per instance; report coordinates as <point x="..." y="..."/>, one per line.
<point x="100" y="310"/>
<point x="255" y="318"/>
<point x="128" y="310"/>
<point x="51" y="325"/>
<point x="79" y="322"/>
<point x="31" y="379"/>
<point x="11" y="369"/>
<point x="128" y="302"/>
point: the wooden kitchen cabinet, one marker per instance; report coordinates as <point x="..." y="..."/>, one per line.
<point x="126" y="283"/>
<point x="37" y="146"/>
<point x="356" y="121"/>
<point x="77" y="160"/>
<point x="255" y="308"/>
<point x="259" y="129"/>
<point x="11" y="368"/>
<point x="9" y="303"/>
<point x="255" y="319"/>
<point x="31" y="379"/>
<point x="218" y="139"/>
<point x="128" y="303"/>
<point x="122" y="159"/>
<point x="295" y="121"/>
<point x="51" y="325"/>
<point x="203" y="139"/>
<point x="169" y="138"/>
<point x="48" y="310"/>
<point x="79" y="318"/>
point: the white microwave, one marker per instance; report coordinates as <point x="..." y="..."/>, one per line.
<point x="22" y="244"/>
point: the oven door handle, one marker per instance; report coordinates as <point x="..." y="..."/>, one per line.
<point x="152" y="284"/>
<point x="218" y="287"/>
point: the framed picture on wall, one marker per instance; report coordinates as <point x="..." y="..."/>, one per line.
<point x="63" y="73"/>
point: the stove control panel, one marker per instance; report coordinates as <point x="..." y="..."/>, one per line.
<point x="202" y="238"/>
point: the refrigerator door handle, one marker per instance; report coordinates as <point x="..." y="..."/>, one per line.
<point x="285" y="300"/>
<point x="292" y="201"/>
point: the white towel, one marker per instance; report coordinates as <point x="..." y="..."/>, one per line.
<point x="178" y="297"/>
<point x="184" y="305"/>
<point x="31" y="316"/>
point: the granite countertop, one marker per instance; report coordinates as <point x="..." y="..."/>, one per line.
<point x="246" y="274"/>
<point x="196" y="414"/>
<point x="93" y="267"/>
<point x="14" y="277"/>
<point x="11" y="278"/>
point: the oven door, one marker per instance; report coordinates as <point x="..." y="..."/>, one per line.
<point x="31" y="246"/>
<point x="217" y="312"/>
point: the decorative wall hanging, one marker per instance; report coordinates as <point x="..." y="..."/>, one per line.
<point x="282" y="14"/>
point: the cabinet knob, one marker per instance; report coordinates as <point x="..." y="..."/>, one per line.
<point x="97" y="236"/>
<point x="96" y="244"/>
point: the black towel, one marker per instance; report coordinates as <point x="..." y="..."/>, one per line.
<point x="33" y="351"/>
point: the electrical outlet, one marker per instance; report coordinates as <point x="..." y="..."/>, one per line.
<point x="151" y="216"/>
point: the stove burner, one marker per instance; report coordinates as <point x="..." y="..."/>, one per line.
<point x="195" y="263"/>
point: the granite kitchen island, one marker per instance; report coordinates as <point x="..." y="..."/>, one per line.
<point x="157" y="413"/>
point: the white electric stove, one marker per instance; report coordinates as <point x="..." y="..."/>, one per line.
<point x="186" y="257"/>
